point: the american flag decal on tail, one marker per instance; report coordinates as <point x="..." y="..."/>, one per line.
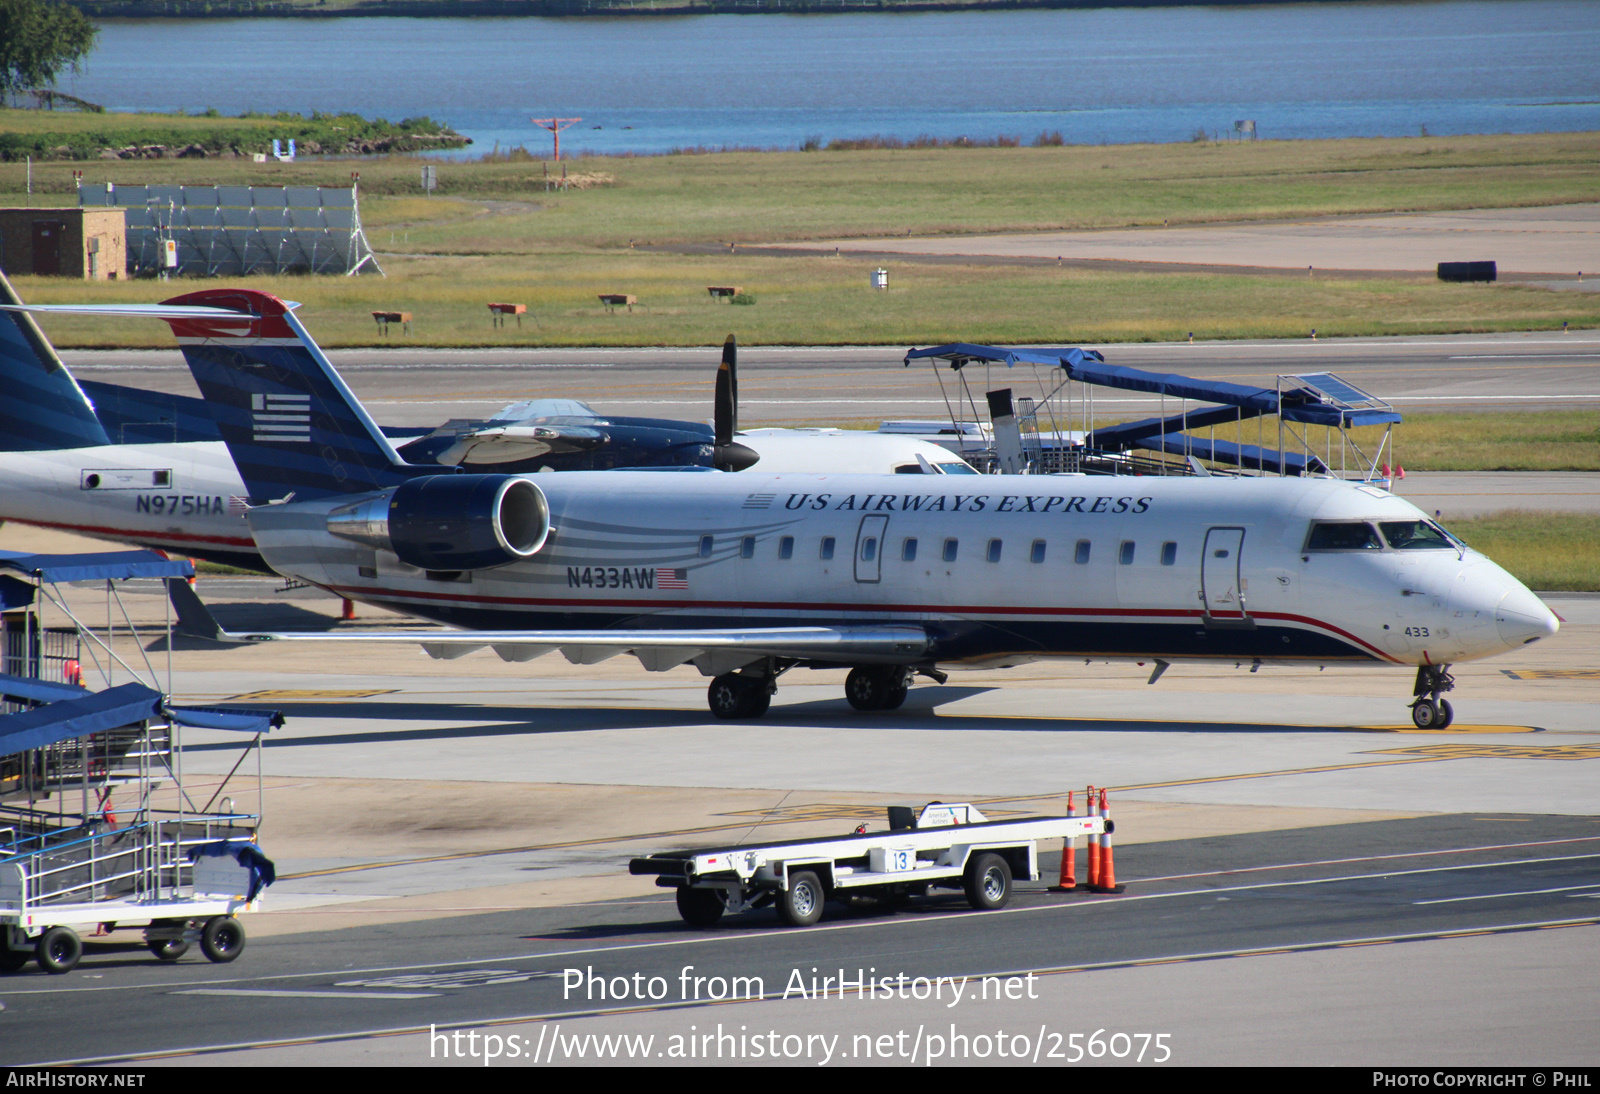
<point x="672" y="579"/>
<point x="281" y="417"/>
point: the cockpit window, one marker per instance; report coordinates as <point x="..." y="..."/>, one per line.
<point x="956" y="469"/>
<point x="1415" y="535"/>
<point x="1344" y="536"/>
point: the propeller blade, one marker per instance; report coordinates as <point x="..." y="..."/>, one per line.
<point x="726" y="413"/>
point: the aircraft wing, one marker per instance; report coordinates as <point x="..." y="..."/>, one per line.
<point x="716" y="650"/>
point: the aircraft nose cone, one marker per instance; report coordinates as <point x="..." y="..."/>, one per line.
<point x="1522" y="618"/>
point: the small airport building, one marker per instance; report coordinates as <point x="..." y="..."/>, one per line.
<point x="89" y="244"/>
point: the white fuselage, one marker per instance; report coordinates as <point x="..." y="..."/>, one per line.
<point x="998" y="569"/>
<point x="178" y="498"/>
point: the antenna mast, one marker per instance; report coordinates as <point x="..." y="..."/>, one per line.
<point x="556" y="125"/>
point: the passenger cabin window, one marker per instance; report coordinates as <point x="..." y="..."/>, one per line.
<point x="1343" y="536"/>
<point x="1126" y="555"/>
<point x="908" y="551"/>
<point x="786" y="547"/>
<point x="705" y="546"/>
<point x="950" y="548"/>
<point x="1415" y="535"/>
<point x="827" y="547"/>
<point x="993" y="552"/>
<point x="869" y="548"/>
<point x="1080" y="554"/>
<point x="1169" y="554"/>
<point x="1036" y="553"/>
<point x="747" y="547"/>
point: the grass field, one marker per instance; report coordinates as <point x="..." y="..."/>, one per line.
<point x="810" y="301"/>
<point x="1542" y="550"/>
<point x="766" y="196"/>
<point x="497" y="234"/>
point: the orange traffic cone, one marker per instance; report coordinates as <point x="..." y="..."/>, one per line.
<point x="1068" y="881"/>
<point x="1107" y="881"/>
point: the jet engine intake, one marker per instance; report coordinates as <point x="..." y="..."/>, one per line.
<point x="450" y="522"/>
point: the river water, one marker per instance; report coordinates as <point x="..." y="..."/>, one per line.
<point x="1096" y="76"/>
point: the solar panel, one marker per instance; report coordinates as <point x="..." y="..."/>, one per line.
<point x="201" y="196"/>
<point x="302" y="197"/>
<point x="1338" y="391"/>
<point x="305" y="218"/>
<point x="272" y="219"/>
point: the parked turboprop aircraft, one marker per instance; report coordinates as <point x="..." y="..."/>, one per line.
<point x="150" y="468"/>
<point x="748" y="576"/>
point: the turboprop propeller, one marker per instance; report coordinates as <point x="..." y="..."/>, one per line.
<point x="729" y="454"/>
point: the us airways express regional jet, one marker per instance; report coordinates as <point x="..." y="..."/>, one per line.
<point x="749" y="575"/>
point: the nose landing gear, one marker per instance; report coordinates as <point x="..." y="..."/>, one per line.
<point x="1428" y="711"/>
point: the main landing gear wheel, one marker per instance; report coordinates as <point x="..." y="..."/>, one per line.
<point x="988" y="882"/>
<point x="736" y="697"/>
<point x="700" y="907"/>
<point x="877" y="687"/>
<point x="800" y="905"/>
<point x="1426" y="714"/>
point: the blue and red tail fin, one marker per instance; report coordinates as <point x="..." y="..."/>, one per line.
<point x="42" y="407"/>
<point x="289" y="421"/>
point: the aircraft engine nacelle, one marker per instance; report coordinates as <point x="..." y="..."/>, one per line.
<point x="450" y="522"/>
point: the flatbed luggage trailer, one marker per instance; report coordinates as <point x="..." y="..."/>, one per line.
<point x="946" y="846"/>
<point x="138" y="876"/>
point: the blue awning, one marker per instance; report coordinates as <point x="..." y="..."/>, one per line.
<point x="95" y="712"/>
<point x="960" y="354"/>
<point x="28" y="689"/>
<point x="109" y="565"/>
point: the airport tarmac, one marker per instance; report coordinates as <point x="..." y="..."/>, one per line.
<point x="450" y="836"/>
<point x="1312" y="880"/>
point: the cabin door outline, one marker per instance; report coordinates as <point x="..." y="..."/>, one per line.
<point x="869" y="548"/>
<point x="1222" y="588"/>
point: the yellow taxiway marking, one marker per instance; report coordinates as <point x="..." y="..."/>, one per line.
<point x="1498" y="752"/>
<point x="313" y="693"/>
<point x="1553" y="674"/>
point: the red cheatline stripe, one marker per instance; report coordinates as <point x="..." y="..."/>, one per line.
<point x="916" y="609"/>
<point x="137" y="536"/>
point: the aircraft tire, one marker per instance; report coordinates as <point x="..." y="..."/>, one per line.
<point x="733" y="696"/>
<point x="868" y="687"/>
<point x="1431" y="714"/>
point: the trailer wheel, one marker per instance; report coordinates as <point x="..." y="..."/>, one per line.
<point x="58" y="950"/>
<point x="801" y="904"/>
<point x="699" y="907"/>
<point x="223" y="939"/>
<point x="988" y="882"/>
<point x="168" y="949"/>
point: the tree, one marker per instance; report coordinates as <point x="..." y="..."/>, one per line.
<point x="39" y="38"/>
